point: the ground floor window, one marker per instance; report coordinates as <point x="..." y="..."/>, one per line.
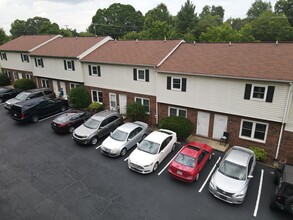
<point x="45" y="83"/>
<point x="28" y="76"/>
<point x="173" y="111"/>
<point x="254" y="130"/>
<point x="15" y="75"/>
<point x="97" y="96"/>
<point x="73" y="85"/>
<point x="144" y="102"/>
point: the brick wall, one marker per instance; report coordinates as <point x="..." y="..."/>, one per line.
<point x="286" y="148"/>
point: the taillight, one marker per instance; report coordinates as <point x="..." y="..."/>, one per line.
<point x="22" y="115"/>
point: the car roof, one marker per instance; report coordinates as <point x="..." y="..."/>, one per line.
<point x="157" y="136"/>
<point x="32" y="101"/>
<point x="239" y="155"/>
<point x="128" y="127"/>
<point x="193" y="149"/>
<point x="104" y="114"/>
<point x="38" y="90"/>
<point x="288" y="174"/>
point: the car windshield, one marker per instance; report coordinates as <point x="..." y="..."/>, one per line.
<point x="185" y="160"/>
<point x="233" y="170"/>
<point x="149" y="147"/>
<point x="63" y="118"/>
<point x="22" y="96"/>
<point x="92" y="123"/>
<point x="119" y="135"/>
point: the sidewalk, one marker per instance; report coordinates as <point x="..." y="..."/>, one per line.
<point x="213" y="143"/>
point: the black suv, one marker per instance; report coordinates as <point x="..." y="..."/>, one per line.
<point x="29" y="94"/>
<point x="282" y="197"/>
<point x="8" y="93"/>
<point x="34" y="109"/>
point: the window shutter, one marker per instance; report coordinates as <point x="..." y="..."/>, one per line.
<point x="147" y="75"/>
<point x="65" y="66"/>
<point x="21" y="57"/>
<point x="270" y="94"/>
<point x="99" y="71"/>
<point x="183" y="85"/>
<point x="169" y="82"/>
<point x="42" y="63"/>
<point x="90" y="70"/>
<point x="134" y="74"/>
<point x="36" y="62"/>
<point x="72" y="62"/>
<point x="247" y="91"/>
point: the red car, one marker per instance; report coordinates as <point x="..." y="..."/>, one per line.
<point x="190" y="161"/>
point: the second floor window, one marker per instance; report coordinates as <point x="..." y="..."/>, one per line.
<point x="141" y="75"/>
<point x="259" y="92"/>
<point x="3" y="56"/>
<point x="39" y="62"/>
<point x="94" y="70"/>
<point x="69" y="65"/>
<point x="176" y="83"/>
<point x="24" y="58"/>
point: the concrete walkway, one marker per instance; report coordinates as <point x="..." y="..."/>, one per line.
<point x="213" y="143"/>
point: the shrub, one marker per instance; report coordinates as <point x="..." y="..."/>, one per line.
<point x="182" y="126"/>
<point x="4" y="80"/>
<point x="95" y="107"/>
<point x="260" y="153"/>
<point x="24" y="84"/>
<point x="79" y="97"/>
<point x="135" y="111"/>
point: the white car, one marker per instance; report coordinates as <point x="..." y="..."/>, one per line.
<point x="123" y="138"/>
<point x="152" y="150"/>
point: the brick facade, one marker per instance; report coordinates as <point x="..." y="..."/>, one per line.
<point x="286" y="148"/>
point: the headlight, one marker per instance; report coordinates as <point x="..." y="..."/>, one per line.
<point x="240" y="195"/>
<point x="148" y="165"/>
<point x="212" y="185"/>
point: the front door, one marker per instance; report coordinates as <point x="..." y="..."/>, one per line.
<point x="220" y="125"/>
<point x="63" y="85"/>
<point x="122" y="104"/>
<point x="55" y="88"/>
<point x="19" y="75"/>
<point x="203" y="120"/>
<point x="112" y="101"/>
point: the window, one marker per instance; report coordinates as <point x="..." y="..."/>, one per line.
<point x="39" y="62"/>
<point x="253" y="130"/>
<point x="176" y="83"/>
<point x="144" y="102"/>
<point x="24" y="58"/>
<point x="73" y="85"/>
<point x="15" y="75"/>
<point x="177" y="112"/>
<point x="3" y="56"/>
<point x="7" y="73"/>
<point x="141" y="75"/>
<point x="28" y="76"/>
<point x="45" y="83"/>
<point x="69" y="65"/>
<point x="97" y="96"/>
<point x="94" y="70"/>
<point x="259" y="92"/>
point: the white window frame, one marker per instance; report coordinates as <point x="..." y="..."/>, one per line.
<point x="253" y="89"/>
<point x="25" y="58"/>
<point x="74" y="85"/>
<point x="99" y="98"/>
<point x="15" y="75"/>
<point x="172" y="83"/>
<point x="3" y="56"/>
<point x="177" y="111"/>
<point x="95" y="70"/>
<point x="253" y="130"/>
<point x="142" y="101"/>
<point x="39" y="62"/>
<point x="28" y="76"/>
<point x="138" y="74"/>
<point x="45" y="83"/>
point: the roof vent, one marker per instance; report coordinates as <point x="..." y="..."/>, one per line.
<point x="75" y="37"/>
<point x="165" y="39"/>
<point x="277" y="42"/>
<point x="230" y="43"/>
<point x="194" y="42"/>
<point x="136" y="40"/>
<point x="115" y="40"/>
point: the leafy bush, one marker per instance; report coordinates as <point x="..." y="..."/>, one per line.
<point x="182" y="126"/>
<point x="4" y="80"/>
<point x="79" y="97"/>
<point x="24" y="84"/>
<point x="260" y="153"/>
<point x="135" y="111"/>
<point x="95" y="107"/>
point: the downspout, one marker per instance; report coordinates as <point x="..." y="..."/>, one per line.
<point x="285" y="116"/>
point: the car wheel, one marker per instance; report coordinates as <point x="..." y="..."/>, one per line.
<point x="123" y="152"/>
<point x="94" y="140"/>
<point x="289" y="205"/>
<point x="277" y="176"/>
<point x="273" y="200"/>
<point x="71" y="129"/>
<point x="155" y="167"/>
<point x="197" y="176"/>
<point x="173" y="147"/>
<point x="63" y="108"/>
<point x="35" y="118"/>
<point x="1" y="100"/>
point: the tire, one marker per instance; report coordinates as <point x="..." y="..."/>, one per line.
<point x="63" y="108"/>
<point x="1" y="100"/>
<point x="197" y="177"/>
<point x="289" y="205"/>
<point x="94" y="140"/>
<point x="173" y="147"/>
<point x="155" y="167"/>
<point x="123" y="152"/>
<point x="273" y="200"/>
<point x="35" y="118"/>
<point x="277" y="176"/>
<point x="71" y="129"/>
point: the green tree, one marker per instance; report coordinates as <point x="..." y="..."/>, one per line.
<point x="79" y="97"/>
<point x="3" y="37"/>
<point x="48" y="28"/>
<point x="186" y="18"/>
<point x="286" y="7"/>
<point x="257" y="8"/>
<point x="218" y="11"/>
<point x="206" y="22"/>
<point x="18" y="28"/>
<point x="116" y="21"/>
<point x="236" y="23"/>
<point x="34" y="25"/>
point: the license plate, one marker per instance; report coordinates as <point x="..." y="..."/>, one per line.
<point x="179" y="172"/>
<point x="223" y="197"/>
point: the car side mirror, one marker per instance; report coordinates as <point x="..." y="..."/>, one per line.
<point x="137" y="144"/>
<point x="250" y="177"/>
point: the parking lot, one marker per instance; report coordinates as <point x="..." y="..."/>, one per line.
<point x="44" y="175"/>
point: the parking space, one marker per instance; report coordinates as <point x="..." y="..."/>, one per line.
<point x="44" y="175"/>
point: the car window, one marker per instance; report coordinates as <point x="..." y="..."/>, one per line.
<point x="200" y="158"/>
<point x="233" y="170"/>
<point x="165" y="143"/>
<point x="92" y="123"/>
<point x="119" y="135"/>
<point x="35" y="95"/>
<point x="134" y="132"/>
<point x="250" y="165"/>
<point x="104" y="123"/>
<point x="47" y="92"/>
<point x="148" y="147"/>
<point x="185" y="160"/>
<point x="112" y="118"/>
<point x="43" y="103"/>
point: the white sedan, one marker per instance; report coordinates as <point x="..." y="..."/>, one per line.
<point x="152" y="151"/>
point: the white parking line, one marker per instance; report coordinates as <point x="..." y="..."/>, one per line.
<point x="53" y="115"/>
<point x="98" y="147"/>
<point x="205" y="182"/>
<point x="259" y="194"/>
<point x="169" y="163"/>
<point x="126" y="159"/>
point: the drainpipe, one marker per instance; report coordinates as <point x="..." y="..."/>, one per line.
<point x="285" y="116"/>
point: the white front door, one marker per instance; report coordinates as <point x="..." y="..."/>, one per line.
<point x="203" y="120"/>
<point x="55" y="88"/>
<point x="122" y="104"/>
<point x="220" y="125"/>
<point x="112" y="101"/>
<point x="63" y="85"/>
<point x="19" y="75"/>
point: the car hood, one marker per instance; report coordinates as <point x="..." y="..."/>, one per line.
<point x="12" y="101"/>
<point x="141" y="158"/>
<point x="228" y="184"/>
<point x="84" y="131"/>
<point x="110" y="143"/>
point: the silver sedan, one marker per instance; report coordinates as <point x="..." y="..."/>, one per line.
<point x="123" y="138"/>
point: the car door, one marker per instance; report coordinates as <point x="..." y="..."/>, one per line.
<point x="77" y="119"/>
<point x="164" y="151"/>
<point x="42" y="108"/>
<point x="134" y="137"/>
<point x="200" y="162"/>
<point x="104" y="128"/>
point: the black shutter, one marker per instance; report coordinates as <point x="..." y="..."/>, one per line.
<point x="169" y="82"/>
<point x="21" y="57"/>
<point x="247" y="91"/>
<point x="72" y="64"/>
<point x="99" y="70"/>
<point x="270" y="94"/>
<point x="65" y="66"/>
<point x="134" y="74"/>
<point x="183" y="85"/>
<point x="36" y="62"/>
<point x="42" y="63"/>
<point x="90" y="70"/>
<point x="147" y="75"/>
